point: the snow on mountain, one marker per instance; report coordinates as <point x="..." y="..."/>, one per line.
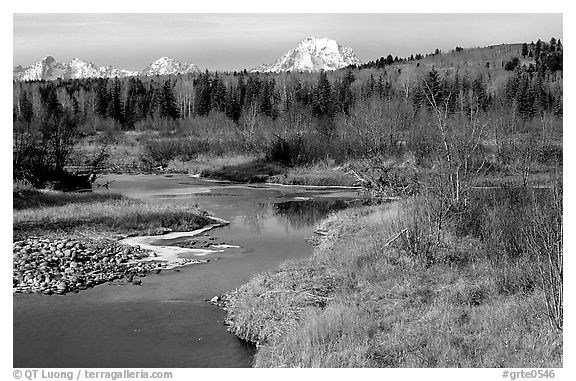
<point x="110" y="72"/>
<point x="167" y="66"/>
<point x="49" y="69"/>
<point x="313" y="54"/>
<point x="82" y="69"/>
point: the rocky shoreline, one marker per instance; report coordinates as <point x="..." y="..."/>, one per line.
<point x="59" y="266"/>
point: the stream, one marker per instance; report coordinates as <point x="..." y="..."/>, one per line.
<point x="166" y="321"/>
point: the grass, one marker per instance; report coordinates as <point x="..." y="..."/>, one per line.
<point x="250" y="169"/>
<point x="316" y="175"/>
<point x="202" y="163"/>
<point x="361" y="302"/>
<point x="27" y="198"/>
<point x="57" y="213"/>
<point x="253" y="171"/>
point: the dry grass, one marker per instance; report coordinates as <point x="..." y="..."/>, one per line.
<point x="361" y="302"/>
<point x="203" y="162"/>
<point x="49" y="212"/>
<point x="247" y="168"/>
<point x="317" y="175"/>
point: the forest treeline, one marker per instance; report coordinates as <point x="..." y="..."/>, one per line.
<point x="295" y="118"/>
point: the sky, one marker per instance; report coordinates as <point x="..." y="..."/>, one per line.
<point x="238" y="41"/>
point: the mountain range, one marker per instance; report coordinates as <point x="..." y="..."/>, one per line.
<point x="49" y="69"/>
<point x="310" y="55"/>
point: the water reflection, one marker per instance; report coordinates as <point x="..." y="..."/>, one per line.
<point x="296" y="215"/>
<point x="259" y="213"/>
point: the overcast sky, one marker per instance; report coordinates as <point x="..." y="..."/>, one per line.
<point x="237" y="41"/>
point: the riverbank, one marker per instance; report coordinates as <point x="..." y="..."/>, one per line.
<point x="140" y="153"/>
<point x="127" y="156"/>
<point x="167" y="311"/>
<point x="66" y="242"/>
<point x="376" y="294"/>
<point x="252" y="169"/>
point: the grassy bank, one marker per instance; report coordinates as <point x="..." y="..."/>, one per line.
<point x="496" y="164"/>
<point x="253" y="169"/>
<point x="91" y="214"/>
<point x="384" y="289"/>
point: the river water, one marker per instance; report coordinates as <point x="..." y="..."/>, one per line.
<point x="166" y="322"/>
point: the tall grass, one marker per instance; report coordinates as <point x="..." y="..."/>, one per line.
<point x="391" y="287"/>
<point x="65" y="213"/>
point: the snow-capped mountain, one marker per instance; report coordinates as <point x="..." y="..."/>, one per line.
<point x="167" y="65"/>
<point x="313" y="54"/>
<point x="110" y="71"/>
<point x="78" y="68"/>
<point x="49" y="69"/>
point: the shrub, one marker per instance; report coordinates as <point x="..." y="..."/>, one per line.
<point x="511" y="65"/>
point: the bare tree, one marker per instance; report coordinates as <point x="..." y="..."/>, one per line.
<point x="249" y="122"/>
<point x="460" y="145"/>
<point x="544" y="237"/>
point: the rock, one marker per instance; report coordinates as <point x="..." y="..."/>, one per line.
<point x="215" y="299"/>
<point x="49" y="266"/>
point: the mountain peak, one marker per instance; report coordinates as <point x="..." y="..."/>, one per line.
<point x="313" y="54"/>
<point x="48" y="59"/>
<point x="168" y="66"/>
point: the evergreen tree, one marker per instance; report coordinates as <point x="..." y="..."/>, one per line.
<point x="203" y="99"/>
<point x="26" y="110"/>
<point x="115" y="105"/>
<point x="233" y="107"/>
<point x="267" y="98"/>
<point x="168" y="105"/>
<point x="434" y="90"/>
<point x="480" y="93"/>
<point x="322" y="105"/>
<point x="513" y="84"/>
<point x="526" y="98"/>
<point x="524" y="50"/>
<point x="241" y="91"/>
<point x="102" y="97"/>
<point x="218" y="94"/>
<point x="537" y="50"/>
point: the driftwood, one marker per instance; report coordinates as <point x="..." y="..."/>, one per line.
<point x="395" y="237"/>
